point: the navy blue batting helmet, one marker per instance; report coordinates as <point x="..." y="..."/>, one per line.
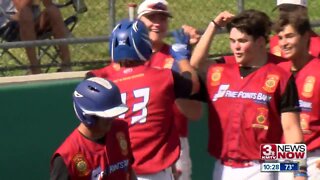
<point x="97" y="97"/>
<point x="130" y="41"/>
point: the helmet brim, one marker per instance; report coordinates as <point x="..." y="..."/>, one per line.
<point x="110" y="113"/>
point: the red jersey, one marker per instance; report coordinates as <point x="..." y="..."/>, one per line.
<point x="149" y="94"/>
<point x="309" y="99"/>
<point x="236" y="131"/>
<point x="163" y="60"/>
<point x="314" y="46"/>
<point x="86" y="159"/>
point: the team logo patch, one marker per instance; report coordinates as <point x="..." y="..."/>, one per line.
<point x="81" y="165"/>
<point x="308" y="86"/>
<point x="168" y="63"/>
<point x="304" y="123"/>
<point x="216" y="76"/>
<point x="271" y="83"/>
<point x="276" y="50"/>
<point x="262" y="117"/>
<point x="122" y="143"/>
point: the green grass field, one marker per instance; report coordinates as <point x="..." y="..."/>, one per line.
<point x="96" y="22"/>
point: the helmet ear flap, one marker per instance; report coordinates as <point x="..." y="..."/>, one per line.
<point x="87" y="119"/>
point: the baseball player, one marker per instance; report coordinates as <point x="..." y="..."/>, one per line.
<point x="293" y="31"/>
<point x="156" y="15"/>
<point x="149" y="93"/>
<point x="251" y="102"/>
<point x="99" y="148"/>
<point x="285" y="6"/>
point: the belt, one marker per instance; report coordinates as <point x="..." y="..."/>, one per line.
<point x="238" y="163"/>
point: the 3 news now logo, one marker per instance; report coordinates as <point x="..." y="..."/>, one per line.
<point x="283" y="151"/>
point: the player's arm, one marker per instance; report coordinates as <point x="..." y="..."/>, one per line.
<point x="183" y="87"/>
<point x="291" y="123"/>
<point x="19" y="4"/>
<point x="181" y="52"/>
<point x="190" y="108"/>
<point x="201" y="51"/>
<point x="59" y="170"/>
<point x="290" y="114"/>
<point x="188" y="72"/>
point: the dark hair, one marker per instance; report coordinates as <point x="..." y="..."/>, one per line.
<point x="297" y="19"/>
<point x="252" y="22"/>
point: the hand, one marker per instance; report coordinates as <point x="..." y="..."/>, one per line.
<point x="193" y="34"/>
<point x="223" y="18"/>
<point x="180" y="50"/>
<point x="180" y="36"/>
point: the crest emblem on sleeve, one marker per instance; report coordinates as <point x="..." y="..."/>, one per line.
<point x="216" y="76"/>
<point x="122" y="143"/>
<point x="81" y="165"/>
<point x="308" y="86"/>
<point x="271" y="82"/>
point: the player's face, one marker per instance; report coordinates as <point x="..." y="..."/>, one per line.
<point x="157" y="24"/>
<point x="291" y="43"/>
<point x="244" y="47"/>
<point x="104" y="124"/>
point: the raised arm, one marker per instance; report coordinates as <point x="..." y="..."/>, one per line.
<point x="19" y="4"/>
<point x="200" y="52"/>
<point x="181" y="52"/>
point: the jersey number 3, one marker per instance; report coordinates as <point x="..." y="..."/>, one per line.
<point x="139" y="106"/>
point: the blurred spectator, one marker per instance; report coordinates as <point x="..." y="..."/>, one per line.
<point x="295" y="6"/>
<point x="33" y="22"/>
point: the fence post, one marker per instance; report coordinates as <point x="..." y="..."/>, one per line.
<point x="240" y="5"/>
<point x="112" y="14"/>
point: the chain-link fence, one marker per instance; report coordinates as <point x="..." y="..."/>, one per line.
<point x="102" y="15"/>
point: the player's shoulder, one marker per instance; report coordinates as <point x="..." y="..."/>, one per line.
<point x="222" y="61"/>
<point x="314" y="64"/>
<point x="164" y="51"/>
<point x="314" y="35"/>
<point x="274" y="37"/>
<point x="286" y="65"/>
<point x="230" y="59"/>
<point x="66" y="146"/>
<point x="272" y="58"/>
<point x="281" y="69"/>
<point x="155" y="69"/>
<point x="105" y="71"/>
